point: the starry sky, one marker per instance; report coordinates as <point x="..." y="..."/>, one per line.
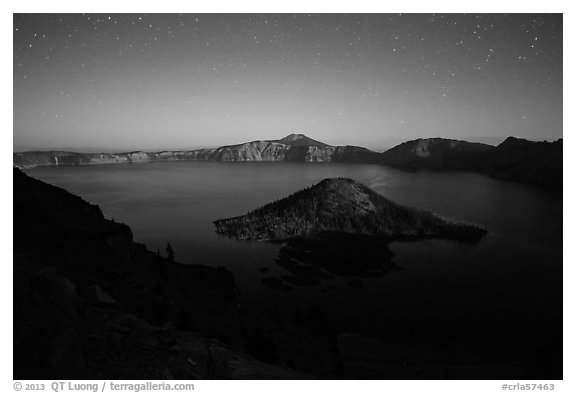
<point x="161" y="81"/>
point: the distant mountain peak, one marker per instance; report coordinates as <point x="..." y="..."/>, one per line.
<point x="293" y="137"/>
<point x="301" y="140"/>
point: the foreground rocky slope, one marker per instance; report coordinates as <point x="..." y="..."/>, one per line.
<point x="91" y="303"/>
<point x="345" y="206"/>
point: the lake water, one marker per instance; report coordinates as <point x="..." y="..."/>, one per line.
<point x="501" y="295"/>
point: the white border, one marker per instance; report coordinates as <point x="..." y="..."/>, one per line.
<point x="262" y="6"/>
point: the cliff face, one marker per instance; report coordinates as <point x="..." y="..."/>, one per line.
<point x="294" y="148"/>
<point x="38" y="158"/>
<point x="55" y="158"/>
<point x="515" y="159"/>
<point x="252" y="151"/>
<point x="183" y="155"/>
<point x="91" y="303"/>
<point x="344" y="206"/>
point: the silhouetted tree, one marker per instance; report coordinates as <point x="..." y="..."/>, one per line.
<point x="169" y="252"/>
<point x="160" y="264"/>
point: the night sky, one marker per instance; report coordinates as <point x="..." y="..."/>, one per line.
<point x="131" y="81"/>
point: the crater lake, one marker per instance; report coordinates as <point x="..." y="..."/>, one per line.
<point x="498" y="300"/>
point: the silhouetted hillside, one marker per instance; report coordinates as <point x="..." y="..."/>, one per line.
<point x="437" y="153"/>
<point x="520" y="160"/>
<point x="527" y="161"/>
